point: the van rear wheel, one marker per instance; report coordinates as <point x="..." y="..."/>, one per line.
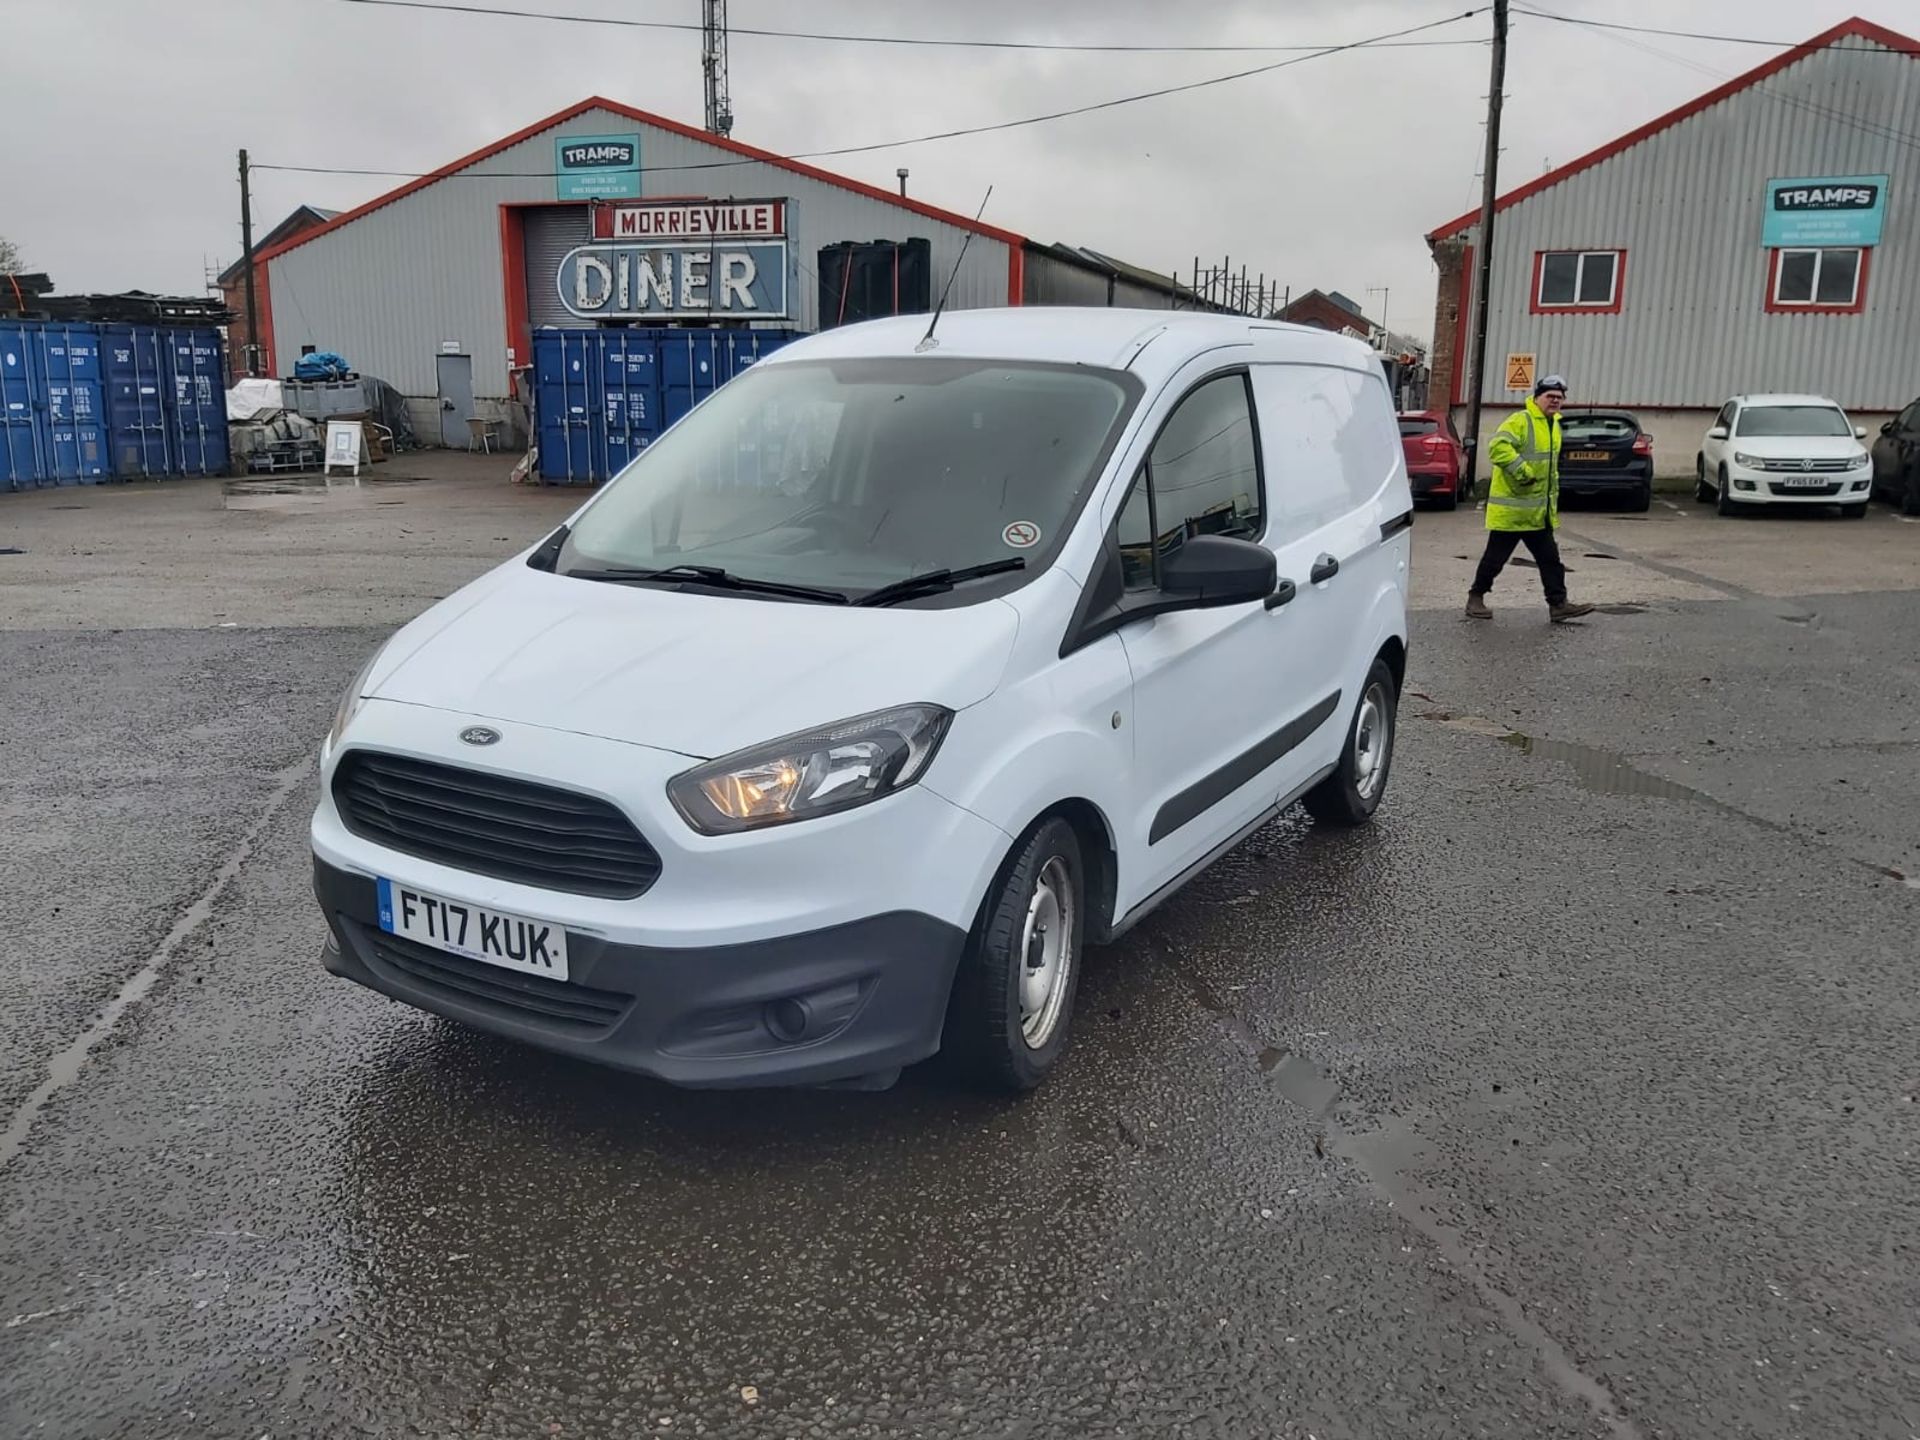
<point x="1351" y="794"/>
<point x="1012" y="1005"/>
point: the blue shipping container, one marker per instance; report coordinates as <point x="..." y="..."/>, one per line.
<point x="54" y="401"/>
<point x="602" y="396"/>
<point x="84" y="403"/>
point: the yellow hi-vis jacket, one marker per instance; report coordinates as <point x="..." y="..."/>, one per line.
<point x="1525" y="452"/>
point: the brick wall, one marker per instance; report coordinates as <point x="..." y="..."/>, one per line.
<point x="1451" y="257"/>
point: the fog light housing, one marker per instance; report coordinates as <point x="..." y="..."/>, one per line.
<point x="1743" y="485"/>
<point x="1861" y="484"/>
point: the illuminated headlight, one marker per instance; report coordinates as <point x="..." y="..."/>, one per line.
<point x="813" y="773"/>
<point x="1749" y="462"/>
<point x="350" y="704"/>
<point x="1860" y="461"/>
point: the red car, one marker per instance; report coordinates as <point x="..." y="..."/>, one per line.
<point x="1436" y="460"/>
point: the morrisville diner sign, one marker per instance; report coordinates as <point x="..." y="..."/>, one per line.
<point x="679" y="259"/>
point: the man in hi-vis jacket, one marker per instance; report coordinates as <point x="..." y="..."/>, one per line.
<point x="1523" y="502"/>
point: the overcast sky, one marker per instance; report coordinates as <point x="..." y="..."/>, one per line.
<point x="123" y="121"/>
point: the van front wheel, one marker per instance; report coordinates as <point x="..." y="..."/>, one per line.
<point x="1012" y="1004"/>
<point x="1351" y="794"/>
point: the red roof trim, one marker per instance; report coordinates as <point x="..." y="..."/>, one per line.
<point x="643" y="117"/>
<point x="1855" y="28"/>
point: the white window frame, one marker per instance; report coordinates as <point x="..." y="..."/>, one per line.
<point x="1819" y="253"/>
<point x="1615" y="258"/>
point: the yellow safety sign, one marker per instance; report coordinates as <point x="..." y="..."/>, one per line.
<point x="1520" y="368"/>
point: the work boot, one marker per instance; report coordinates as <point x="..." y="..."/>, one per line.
<point x="1565" y="611"/>
<point x="1477" y="607"/>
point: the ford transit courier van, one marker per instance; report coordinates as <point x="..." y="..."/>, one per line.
<point x="831" y="732"/>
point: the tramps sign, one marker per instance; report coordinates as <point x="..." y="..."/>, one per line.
<point x="1836" y="210"/>
<point x="596" y="167"/>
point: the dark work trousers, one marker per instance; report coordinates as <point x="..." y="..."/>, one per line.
<point x="1546" y="554"/>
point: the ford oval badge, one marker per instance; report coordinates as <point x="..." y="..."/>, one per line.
<point x="479" y="735"/>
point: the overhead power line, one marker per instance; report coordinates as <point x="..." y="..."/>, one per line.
<point x="1371" y="42"/>
<point x="1766" y="90"/>
<point x="941" y="42"/>
<point x="1703" y="34"/>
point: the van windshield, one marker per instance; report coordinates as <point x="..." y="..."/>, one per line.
<point x="853" y="474"/>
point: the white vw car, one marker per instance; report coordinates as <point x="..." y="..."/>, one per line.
<point x="1783" y="450"/>
<point x="829" y="733"/>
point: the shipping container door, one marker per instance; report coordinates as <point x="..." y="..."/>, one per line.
<point x="630" y="377"/>
<point x="136" y="373"/>
<point x="22" y="462"/>
<point x="565" y="403"/>
<point x="198" y="396"/>
<point x="67" y="361"/>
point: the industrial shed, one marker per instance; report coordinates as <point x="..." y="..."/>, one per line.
<point x="608" y="215"/>
<point x="1762" y="238"/>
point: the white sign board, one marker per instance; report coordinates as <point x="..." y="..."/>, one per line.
<point x="344" y="438"/>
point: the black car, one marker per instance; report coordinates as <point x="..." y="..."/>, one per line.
<point x="1896" y="461"/>
<point x="1605" y="455"/>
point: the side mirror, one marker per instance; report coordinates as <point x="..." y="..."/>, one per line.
<point x="1859" y="432"/>
<point x="1718" y="432"/>
<point x="1888" y="428"/>
<point x="1211" y="570"/>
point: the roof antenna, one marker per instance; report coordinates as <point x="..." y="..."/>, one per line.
<point x="927" y="342"/>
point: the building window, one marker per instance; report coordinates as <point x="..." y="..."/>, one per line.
<point x="1578" y="280"/>
<point x="1831" y="282"/>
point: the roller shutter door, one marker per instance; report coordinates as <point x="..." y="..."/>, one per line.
<point x="551" y="231"/>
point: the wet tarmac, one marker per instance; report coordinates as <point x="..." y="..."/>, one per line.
<point x="1575" y="1098"/>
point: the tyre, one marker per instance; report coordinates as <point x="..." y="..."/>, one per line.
<point x="1702" y="492"/>
<point x="1910" y="493"/>
<point x="1856" y="511"/>
<point x="1451" y="501"/>
<point x="1723" y="501"/>
<point x="1464" y="489"/>
<point x="1352" y="793"/>
<point x="1641" y="499"/>
<point x="1012" y="1005"/>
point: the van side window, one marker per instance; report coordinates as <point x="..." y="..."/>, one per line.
<point x="1329" y="439"/>
<point x="1202" y="477"/>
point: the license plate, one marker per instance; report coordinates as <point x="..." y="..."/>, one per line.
<point x="1806" y="482"/>
<point x="1587" y="455"/>
<point x="459" y="927"/>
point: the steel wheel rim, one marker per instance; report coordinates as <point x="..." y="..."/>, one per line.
<point x="1372" y="742"/>
<point x="1046" y="952"/>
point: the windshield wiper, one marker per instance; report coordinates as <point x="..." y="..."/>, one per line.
<point x="716" y="577"/>
<point x="935" y="582"/>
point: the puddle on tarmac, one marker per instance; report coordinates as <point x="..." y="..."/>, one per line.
<point x="303" y="491"/>
<point x="1605" y="773"/>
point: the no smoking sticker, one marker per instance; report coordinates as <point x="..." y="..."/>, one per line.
<point x="1021" y="535"/>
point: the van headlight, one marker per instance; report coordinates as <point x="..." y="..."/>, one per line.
<point x="816" y="772"/>
<point x="350" y="704"/>
<point x="1748" y="462"/>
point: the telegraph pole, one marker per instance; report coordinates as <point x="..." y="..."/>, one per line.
<point x="246" y="257"/>
<point x="1491" y="176"/>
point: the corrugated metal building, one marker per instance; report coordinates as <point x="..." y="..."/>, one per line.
<point x="1765" y="237"/>
<point x="438" y="284"/>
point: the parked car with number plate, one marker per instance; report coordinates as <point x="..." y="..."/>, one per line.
<point x="1605" y="455"/>
<point x="1436" y="460"/>
<point x="1783" y="450"/>
<point x="1896" y="461"/>
<point x="903" y="668"/>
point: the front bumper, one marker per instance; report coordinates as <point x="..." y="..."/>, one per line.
<point x="854" y="1000"/>
<point x="1771" y="487"/>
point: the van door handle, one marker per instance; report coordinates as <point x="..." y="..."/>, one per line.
<point x="1325" y="568"/>
<point x="1283" y="593"/>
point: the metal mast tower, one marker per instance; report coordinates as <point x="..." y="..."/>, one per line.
<point x="713" y="60"/>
